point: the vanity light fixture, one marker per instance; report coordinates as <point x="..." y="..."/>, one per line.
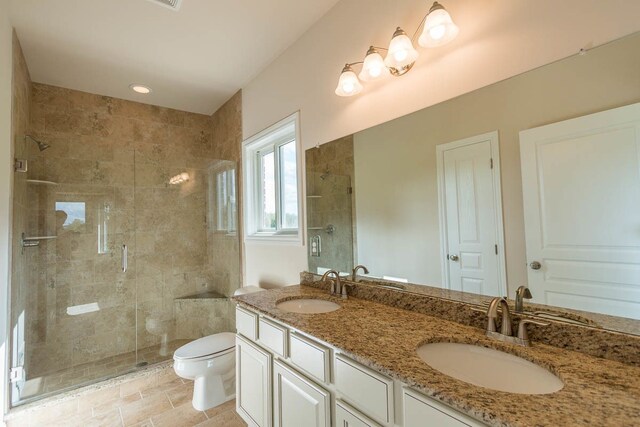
<point x="373" y="67"/>
<point x="438" y="29"/>
<point x="348" y="84"/>
<point x="402" y="55"/>
<point x="140" y="88"/>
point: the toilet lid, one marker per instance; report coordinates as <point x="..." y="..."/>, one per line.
<point x="206" y="346"/>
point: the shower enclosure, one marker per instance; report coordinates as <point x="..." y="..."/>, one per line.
<point x="125" y="241"/>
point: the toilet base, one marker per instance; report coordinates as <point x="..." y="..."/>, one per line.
<point x="209" y="392"/>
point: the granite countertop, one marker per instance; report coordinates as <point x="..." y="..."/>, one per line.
<point x="597" y="391"/>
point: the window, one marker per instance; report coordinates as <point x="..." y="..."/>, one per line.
<point x="271" y="183"/>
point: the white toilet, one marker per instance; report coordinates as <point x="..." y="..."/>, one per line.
<point x="211" y="363"/>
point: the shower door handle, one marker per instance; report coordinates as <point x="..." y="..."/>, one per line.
<point x="125" y="255"/>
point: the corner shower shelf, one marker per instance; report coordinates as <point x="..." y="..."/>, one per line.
<point x="315" y="228"/>
<point x="41" y="182"/>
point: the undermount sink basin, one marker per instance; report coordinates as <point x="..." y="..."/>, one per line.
<point x="308" y="306"/>
<point x="489" y="368"/>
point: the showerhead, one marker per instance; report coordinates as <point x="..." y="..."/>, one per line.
<point x="41" y="145"/>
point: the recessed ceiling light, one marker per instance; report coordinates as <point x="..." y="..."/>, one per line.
<point x="140" y="88"/>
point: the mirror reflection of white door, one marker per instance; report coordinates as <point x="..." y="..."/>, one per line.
<point x="581" y="189"/>
<point x="471" y="215"/>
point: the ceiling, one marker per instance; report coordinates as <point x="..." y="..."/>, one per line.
<point x="193" y="59"/>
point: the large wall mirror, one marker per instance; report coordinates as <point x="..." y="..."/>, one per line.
<point x="533" y="181"/>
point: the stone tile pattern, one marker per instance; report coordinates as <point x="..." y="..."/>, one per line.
<point x="449" y="305"/>
<point x="157" y="398"/>
<point x="330" y="175"/>
<point x="597" y="391"/>
<point x="197" y="318"/>
<point x="20" y="271"/>
<point x="116" y="156"/>
<point x="223" y="250"/>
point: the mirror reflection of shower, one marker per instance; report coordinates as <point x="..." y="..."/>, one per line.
<point x="41" y="145"/>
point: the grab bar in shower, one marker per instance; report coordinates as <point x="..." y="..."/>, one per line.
<point x="125" y="255"/>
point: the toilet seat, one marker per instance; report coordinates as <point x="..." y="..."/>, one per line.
<point x="207" y="347"/>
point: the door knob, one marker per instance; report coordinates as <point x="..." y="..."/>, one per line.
<point x="453" y="257"/>
<point x="535" y="265"/>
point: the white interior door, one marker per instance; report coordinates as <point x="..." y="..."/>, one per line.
<point x="471" y="211"/>
<point x="581" y="188"/>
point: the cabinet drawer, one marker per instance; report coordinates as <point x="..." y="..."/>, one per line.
<point x="309" y="356"/>
<point x="346" y="416"/>
<point x="272" y="336"/>
<point x="366" y="390"/>
<point x="420" y="410"/>
<point x="247" y="323"/>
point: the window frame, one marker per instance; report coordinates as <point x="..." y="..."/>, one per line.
<point x="254" y="149"/>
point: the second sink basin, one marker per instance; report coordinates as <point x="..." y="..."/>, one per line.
<point x="489" y="368"/>
<point x="308" y="306"/>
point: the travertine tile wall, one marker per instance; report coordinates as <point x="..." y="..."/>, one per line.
<point x="20" y="271"/>
<point x="117" y="157"/>
<point x="330" y="200"/>
<point x="224" y="252"/>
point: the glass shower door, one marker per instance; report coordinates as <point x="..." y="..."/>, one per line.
<point x="73" y="285"/>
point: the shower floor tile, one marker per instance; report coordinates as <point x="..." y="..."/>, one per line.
<point x="87" y="373"/>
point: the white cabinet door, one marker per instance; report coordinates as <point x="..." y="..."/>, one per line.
<point x="253" y="383"/>
<point x="298" y="401"/>
<point x="581" y="192"/>
<point x="420" y="411"/>
<point x="346" y="416"/>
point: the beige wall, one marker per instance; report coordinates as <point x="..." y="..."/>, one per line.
<point x="498" y="39"/>
<point x="396" y="161"/>
<point x="6" y="175"/>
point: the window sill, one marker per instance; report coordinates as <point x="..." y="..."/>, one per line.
<point x="273" y="238"/>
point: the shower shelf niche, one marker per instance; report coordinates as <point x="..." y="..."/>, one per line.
<point x="41" y="182"/>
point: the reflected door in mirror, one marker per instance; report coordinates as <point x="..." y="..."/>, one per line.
<point x="581" y="189"/>
<point x="471" y="220"/>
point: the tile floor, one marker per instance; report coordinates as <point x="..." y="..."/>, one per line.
<point x="157" y="400"/>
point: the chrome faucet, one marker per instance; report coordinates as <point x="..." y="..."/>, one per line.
<point x="335" y="284"/>
<point x="522" y="293"/>
<point x="506" y="329"/>
<point x="354" y="273"/>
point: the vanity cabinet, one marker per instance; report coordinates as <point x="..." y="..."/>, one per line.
<point x="420" y="411"/>
<point x="346" y="416"/>
<point x="285" y="378"/>
<point x="254" y="401"/>
<point x="298" y="401"/>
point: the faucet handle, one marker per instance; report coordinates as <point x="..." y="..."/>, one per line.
<point x="522" y="328"/>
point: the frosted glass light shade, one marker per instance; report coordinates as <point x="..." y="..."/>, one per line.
<point x="439" y="28"/>
<point x="348" y="84"/>
<point x="401" y="55"/>
<point x="373" y="67"/>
